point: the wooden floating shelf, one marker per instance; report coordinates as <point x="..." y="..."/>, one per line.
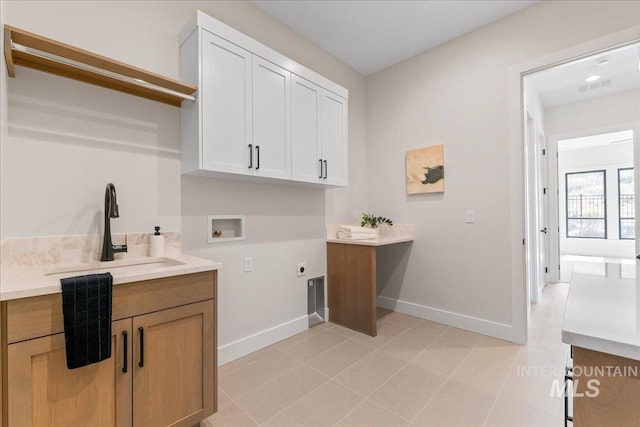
<point x="33" y="51"/>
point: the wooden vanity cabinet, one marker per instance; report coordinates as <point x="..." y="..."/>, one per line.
<point x="162" y="369"/>
<point x="173" y="385"/>
<point x="43" y="392"/>
<point x="606" y="389"/>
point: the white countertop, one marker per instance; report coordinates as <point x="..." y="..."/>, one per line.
<point x="29" y="281"/>
<point x="603" y="310"/>
<point x="379" y="241"/>
<point x="397" y="234"/>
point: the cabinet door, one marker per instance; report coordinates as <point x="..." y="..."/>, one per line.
<point x="271" y="119"/>
<point x="605" y="398"/>
<point x="174" y="365"/>
<point x="334" y="138"/>
<point x="306" y="104"/>
<point x="225" y="94"/>
<point x="43" y="392"/>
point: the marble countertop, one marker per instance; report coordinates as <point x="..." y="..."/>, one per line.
<point x="603" y="310"/>
<point x="399" y="233"/>
<point x="20" y="281"/>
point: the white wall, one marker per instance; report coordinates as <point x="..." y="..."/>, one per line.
<point x="64" y="140"/>
<point x="457" y="95"/>
<point x="533" y="102"/>
<point x="591" y="116"/>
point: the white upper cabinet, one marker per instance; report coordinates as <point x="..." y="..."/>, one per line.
<point x="257" y="113"/>
<point x="306" y="151"/>
<point x="271" y="120"/>
<point x="226" y="117"/>
<point x="319" y="134"/>
<point x="334" y="139"/>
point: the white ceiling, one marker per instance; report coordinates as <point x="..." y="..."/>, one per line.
<point x="566" y="84"/>
<point x="373" y="35"/>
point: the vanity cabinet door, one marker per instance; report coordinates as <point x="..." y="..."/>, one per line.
<point x="43" y="392"/>
<point x="606" y="389"/>
<point x="174" y="364"/>
<point x="225" y="94"/>
<point x="334" y="139"/>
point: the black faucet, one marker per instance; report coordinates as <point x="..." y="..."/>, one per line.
<point x="110" y="211"/>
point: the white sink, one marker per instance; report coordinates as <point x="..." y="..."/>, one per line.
<point x="114" y="267"/>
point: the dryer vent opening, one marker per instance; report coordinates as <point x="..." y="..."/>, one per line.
<point x="315" y="301"/>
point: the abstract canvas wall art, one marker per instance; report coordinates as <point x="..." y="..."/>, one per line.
<point x="425" y="170"/>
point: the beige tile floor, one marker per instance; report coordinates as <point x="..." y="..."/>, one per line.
<point x="415" y="372"/>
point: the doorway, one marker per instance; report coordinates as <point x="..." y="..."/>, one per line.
<point x="580" y="132"/>
<point x="596" y="193"/>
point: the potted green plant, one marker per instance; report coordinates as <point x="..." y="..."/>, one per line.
<point x="373" y="221"/>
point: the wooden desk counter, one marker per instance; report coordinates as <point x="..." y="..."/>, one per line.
<point x="351" y="285"/>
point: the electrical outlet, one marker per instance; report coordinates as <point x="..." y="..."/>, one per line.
<point x="470" y="217"/>
<point x="248" y="264"/>
<point x="302" y="269"/>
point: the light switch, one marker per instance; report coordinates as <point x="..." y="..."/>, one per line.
<point x="248" y="264"/>
<point x="470" y="217"/>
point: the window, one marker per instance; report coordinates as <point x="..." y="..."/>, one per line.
<point x="586" y="204"/>
<point x="626" y="203"/>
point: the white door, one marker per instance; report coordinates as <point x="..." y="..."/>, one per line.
<point x="334" y="139"/>
<point x="226" y="106"/>
<point x="271" y="120"/>
<point x="543" y="212"/>
<point x="531" y="206"/>
<point x="306" y="104"/>
<point x="636" y="198"/>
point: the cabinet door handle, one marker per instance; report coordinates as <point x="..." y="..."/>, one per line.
<point x="326" y="169"/>
<point x="141" y="330"/>
<point x="250" y="156"/>
<point x="124" y="352"/>
<point x="258" y="154"/>
<point x="568" y="376"/>
<point x="320" y="168"/>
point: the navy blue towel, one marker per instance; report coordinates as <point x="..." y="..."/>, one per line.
<point x="86" y="308"/>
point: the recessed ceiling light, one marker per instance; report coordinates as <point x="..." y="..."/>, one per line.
<point x="592" y="78"/>
<point x="603" y="62"/>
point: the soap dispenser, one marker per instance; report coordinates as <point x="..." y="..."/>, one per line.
<point x="156" y="244"/>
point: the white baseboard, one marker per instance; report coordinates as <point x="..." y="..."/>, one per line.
<point x="474" y="324"/>
<point x="246" y="345"/>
